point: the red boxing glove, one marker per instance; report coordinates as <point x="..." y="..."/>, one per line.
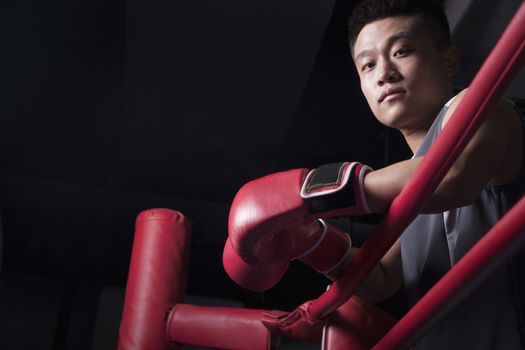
<point x="357" y="324"/>
<point x="266" y="212"/>
<point x="295" y="325"/>
<point x="329" y="254"/>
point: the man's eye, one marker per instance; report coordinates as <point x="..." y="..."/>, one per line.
<point x="367" y="66"/>
<point x="401" y="52"/>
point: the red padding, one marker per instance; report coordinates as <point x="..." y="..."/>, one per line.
<point x="157" y="279"/>
<point x="486" y="89"/>
<point x="218" y="327"/>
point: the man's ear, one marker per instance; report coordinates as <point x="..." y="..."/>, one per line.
<point x="451" y="60"/>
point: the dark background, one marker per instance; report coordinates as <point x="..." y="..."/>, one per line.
<point x="114" y="107"/>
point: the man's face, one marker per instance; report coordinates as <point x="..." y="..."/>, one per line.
<point x="403" y="75"/>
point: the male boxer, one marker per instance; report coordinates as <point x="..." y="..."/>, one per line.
<point x="405" y="61"/>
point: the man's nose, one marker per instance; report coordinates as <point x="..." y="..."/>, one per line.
<point x="387" y="73"/>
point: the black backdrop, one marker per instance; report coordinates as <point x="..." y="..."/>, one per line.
<point x="116" y="107"/>
<point x="113" y="107"/>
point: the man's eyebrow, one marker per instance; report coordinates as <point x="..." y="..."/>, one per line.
<point x="400" y="35"/>
<point x="362" y="54"/>
<point x="390" y="40"/>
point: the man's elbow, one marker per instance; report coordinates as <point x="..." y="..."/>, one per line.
<point x="454" y="194"/>
<point x="463" y="198"/>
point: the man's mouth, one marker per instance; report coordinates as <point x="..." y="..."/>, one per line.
<point x="390" y="94"/>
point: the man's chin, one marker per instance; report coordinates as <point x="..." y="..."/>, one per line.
<point x="393" y="120"/>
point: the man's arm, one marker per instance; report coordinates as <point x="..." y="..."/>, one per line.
<point x="386" y="277"/>
<point x="493" y="155"/>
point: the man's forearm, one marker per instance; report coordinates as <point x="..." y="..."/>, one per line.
<point x="383" y="185"/>
<point x="386" y="277"/>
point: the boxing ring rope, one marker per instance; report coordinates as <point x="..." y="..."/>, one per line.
<point x="486" y="89"/>
<point x="155" y="316"/>
<point x="504" y="240"/>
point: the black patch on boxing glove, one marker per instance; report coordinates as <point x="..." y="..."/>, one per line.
<point x="327" y="175"/>
<point x="333" y="201"/>
<point x="330" y="187"/>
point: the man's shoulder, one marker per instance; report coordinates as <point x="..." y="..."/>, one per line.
<point x="501" y="135"/>
<point x="504" y="110"/>
<point x="452" y="105"/>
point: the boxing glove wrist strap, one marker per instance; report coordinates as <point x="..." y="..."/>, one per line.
<point x="327" y="187"/>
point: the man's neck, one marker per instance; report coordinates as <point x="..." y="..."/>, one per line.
<point x="415" y="136"/>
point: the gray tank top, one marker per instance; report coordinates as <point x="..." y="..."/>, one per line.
<point x="490" y="318"/>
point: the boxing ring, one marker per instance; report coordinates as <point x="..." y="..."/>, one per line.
<point x="155" y="316"/>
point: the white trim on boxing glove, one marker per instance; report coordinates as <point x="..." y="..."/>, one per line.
<point x="366" y="169"/>
<point x="317" y="243"/>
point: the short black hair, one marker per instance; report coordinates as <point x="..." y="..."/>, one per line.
<point x="430" y="11"/>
